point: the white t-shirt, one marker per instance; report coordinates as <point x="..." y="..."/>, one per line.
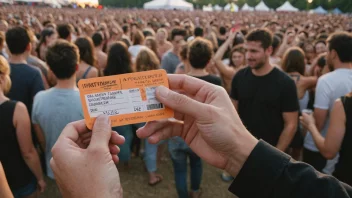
<point x="330" y="87"/>
<point x="135" y="49"/>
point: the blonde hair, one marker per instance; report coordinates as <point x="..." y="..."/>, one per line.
<point x="5" y="70"/>
<point x="147" y="60"/>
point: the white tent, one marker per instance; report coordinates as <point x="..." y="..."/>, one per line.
<point x="287" y="7"/>
<point x="217" y="8"/>
<point x="168" y="5"/>
<point x="262" y="7"/>
<point x="208" y="8"/>
<point x="319" y="10"/>
<point x="6" y="1"/>
<point x="30" y="1"/>
<point x="246" y="7"/>
<point x="234" y="6"/>
<point x="337" y="11"/>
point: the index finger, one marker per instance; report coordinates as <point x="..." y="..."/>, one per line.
<point x="73" y="130"/>
<point x="188" y="84"/>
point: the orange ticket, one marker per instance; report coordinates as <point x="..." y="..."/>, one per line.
<point x="127" y="98"/>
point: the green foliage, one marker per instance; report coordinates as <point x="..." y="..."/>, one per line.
<point x="344" y="5"/>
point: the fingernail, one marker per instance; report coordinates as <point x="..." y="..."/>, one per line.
<point x="103" y="119"/>
<point x="162" y="91"/>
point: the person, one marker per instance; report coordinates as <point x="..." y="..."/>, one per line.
<point x="147" y="60"/>
<point x="337" y="137"/>
<point x="330" y="87"/>
<point x="237" y="61"/>
<point x="163" y="44"/>
<point x="151" y="43"/>
<point x="320" y="47"/>
<point x="48" y="36"/>
<point x="198" y="32"/>
<point x="17" y="153"/>
<point x="274" y="59"/>
<point x="26" y="80"/>
<point x="170" y="60"/>
<point x="5" y="190"/>
<point x="293" y="63"/>
<point x="2" y="44"/>
<point x="265" y="97"/>
<point x="87" y="66"/>
<point x="218" y="137"/>
<point x="138" y="41"/>
<point x="183" y="67"/>
<point x="102" y="57"/>
<point x="120" y="62"/>
<point x="222" y="37"/>
<point x="66" y="32"/>
<point x="62" y="58"/>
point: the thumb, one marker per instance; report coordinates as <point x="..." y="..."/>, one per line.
<point x="101" y="133"/>
<point x="181" y="103"/>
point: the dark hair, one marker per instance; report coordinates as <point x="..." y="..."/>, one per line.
<point x="138" y="38"/>
<point x="184" y="52"/>
<point x="198" y="31"/>
<point x="125" y="28"/>
<point x="222" y="30"/>
<point x="47" y="32"/>
<point x="280" y="35"/>
<point x="200" y="53"/>
<point x="305" y="33"/>
<point x="293" y="61"/>
<point x="262" y="35"/>
<point x="119" y="60"/>
<point x="238" y="48"/>
<point x="64" y="30"/>
<point x="97" y="39"/>
<point x="321" y="61"/>
<point x="322" y="36"/>
<point x="86" y="50"/>
<point x="147" y="33"/>
<point x="276" y="43"/>
<point x="238" y="40"/>
<point x="341" y="42"/>
<point x="62" y="58"/>
<point x="17" y="39"/>
<point x="178" y="32"/>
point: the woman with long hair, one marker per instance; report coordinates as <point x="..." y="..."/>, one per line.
<point x="151" y="43"/>
<point x="47" y="37"/>
<point x="293" y="63"/>
<point x="88" y="62"/>
<point x="138" y="41"/>
<point x="145" y="61"/>
<point x="236" y="57"/>
<point x="119" y="62"/>
<point x="17" y="153"/>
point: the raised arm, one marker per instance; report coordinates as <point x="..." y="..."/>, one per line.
<point x="224" y="69"/>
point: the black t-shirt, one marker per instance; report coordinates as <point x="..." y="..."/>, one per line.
<point x="262" y="100"/>
<point x="211" y="79"/>
<point x="26" y="83"/>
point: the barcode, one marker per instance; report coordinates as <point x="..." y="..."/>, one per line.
<point x="155" y="106"/>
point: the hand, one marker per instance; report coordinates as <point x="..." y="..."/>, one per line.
<point x="41" y="185"/>
<point x="206" y="120"/>
<point x="84" y="162"/>
<point x="232" y="36"/>
<point x="307" y="120"/>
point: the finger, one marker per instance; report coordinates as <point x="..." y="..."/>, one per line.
<point x="165" y="133"/>
<point x="150" y="127"/>
<point x="74" y="129"/>
<point x="101" y="133"/>
<point x="116" y="138"/>
<point x="114" y="149"/>
<point x="187" y="84"/>
<point x="115" y="158"/>
<point x="181" y="103"/>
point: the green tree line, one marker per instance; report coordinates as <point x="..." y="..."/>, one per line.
<point x="343" y="5"/>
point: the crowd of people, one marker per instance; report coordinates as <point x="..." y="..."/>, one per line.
<point x="289" y="77"/>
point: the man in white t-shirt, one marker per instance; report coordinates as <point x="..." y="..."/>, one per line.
<point x="329" y="88"/>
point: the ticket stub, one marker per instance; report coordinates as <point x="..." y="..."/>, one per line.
<point x="127" y="98"/>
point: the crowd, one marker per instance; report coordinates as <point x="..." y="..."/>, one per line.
<point x="289" y="77"/>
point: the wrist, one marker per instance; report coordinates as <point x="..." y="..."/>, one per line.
<point x="243" y="147"/>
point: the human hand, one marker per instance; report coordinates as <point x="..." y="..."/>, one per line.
<point x="84" y="162"/>
<point x="307" y="121"/>
<point x="206" y="120"/>
<point x="41" y="185"/>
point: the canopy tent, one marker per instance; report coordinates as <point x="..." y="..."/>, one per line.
<point x="168" y="5"/>
<point x="30" y="1"/>
<point x="337" y="11"/>
<point x="287" y="7"/>
<point x="208" y="8"/>
<point x="320" y="10"/>
<point x="217" y="8"/>
<point x="262" y="7"/>
<point x="246" y="7"/>
<point x="6" y="2"/>
<point x="231" y="7"/>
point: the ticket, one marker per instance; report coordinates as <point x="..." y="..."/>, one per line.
<point x="127" y="98"/>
